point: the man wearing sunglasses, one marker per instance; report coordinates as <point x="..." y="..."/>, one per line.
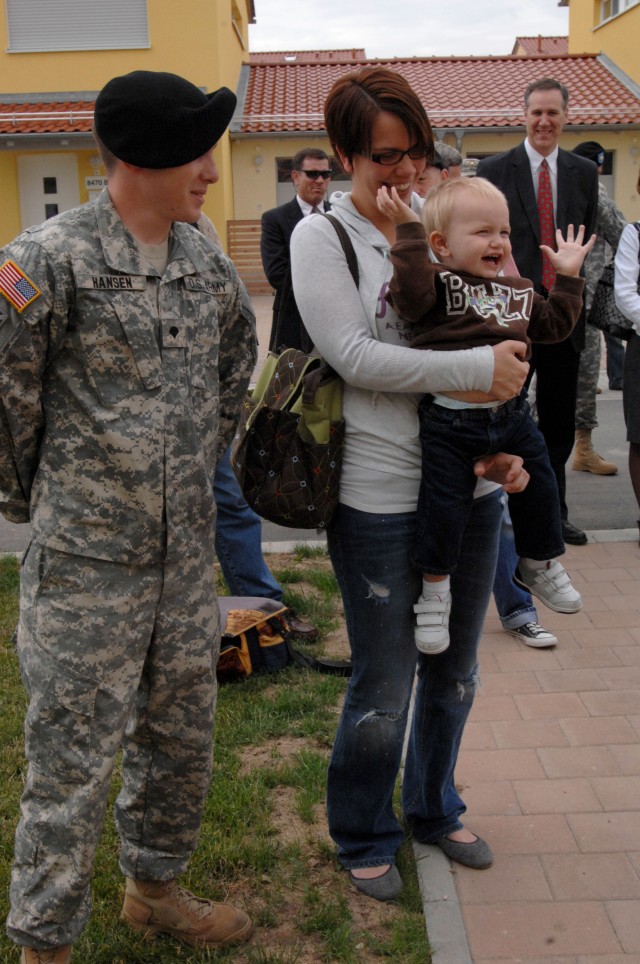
<point x="310" y="173"/>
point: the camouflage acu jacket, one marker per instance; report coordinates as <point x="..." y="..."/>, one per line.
<point x="118" y="388"/>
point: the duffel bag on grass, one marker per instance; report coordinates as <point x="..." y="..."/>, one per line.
<point x="256" y="638"/>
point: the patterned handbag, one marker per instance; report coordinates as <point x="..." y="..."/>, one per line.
<point x="287" y="452"/>
<point x="604" y="314"/>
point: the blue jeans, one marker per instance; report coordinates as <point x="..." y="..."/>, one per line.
<point x="451" y="440"/>
<point x="514" y="604"/>
<point x="371" y="555"/>
<point x="239" y="539"/>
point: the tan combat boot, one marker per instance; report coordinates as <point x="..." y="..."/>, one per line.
<point x="157" y="907"/>
<point x="586" y="459"/>
<point x="55" y="955"/>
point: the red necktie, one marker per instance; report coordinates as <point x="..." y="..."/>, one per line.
<point x="545" y="218"/>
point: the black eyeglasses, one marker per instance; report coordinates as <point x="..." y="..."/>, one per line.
<point x="394" y="157"/>
<point x="314" y="175"/>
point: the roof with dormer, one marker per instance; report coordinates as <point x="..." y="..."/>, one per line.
<point x="306" y="56"/>
<point x="533" y="46"/>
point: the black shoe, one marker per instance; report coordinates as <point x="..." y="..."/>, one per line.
<point x="572" y="535"/>
<point x="615" y="386"/>
<point x="301" y="629"/>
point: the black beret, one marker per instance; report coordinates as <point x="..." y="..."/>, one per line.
<point x="156" y="120"/>
<point x="592" y="150"/>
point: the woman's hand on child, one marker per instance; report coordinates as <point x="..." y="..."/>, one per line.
<point x="507" y="470"/>
<point x="509" y="369"/>
<point x="571" y="253"/>
<point x="392" y="207"/>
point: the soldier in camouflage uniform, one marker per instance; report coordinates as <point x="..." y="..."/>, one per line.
<point x="126" y="346"/>
<point x="609" y="225"/>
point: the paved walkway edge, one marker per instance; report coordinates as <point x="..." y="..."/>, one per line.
<point x="441" y="905"/>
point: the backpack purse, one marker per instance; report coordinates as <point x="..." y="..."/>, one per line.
<point x="287" y="452"/>
<point x="604" y="314"/>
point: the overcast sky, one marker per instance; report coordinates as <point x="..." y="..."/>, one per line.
<point x="404" y="28"/>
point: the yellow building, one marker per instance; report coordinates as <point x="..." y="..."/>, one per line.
<point x="55" y="55"/>
<point x="610" y="27"/>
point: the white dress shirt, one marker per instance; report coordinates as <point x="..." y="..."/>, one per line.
<point x="308" y="208"/>
<point x="627" y="269"/>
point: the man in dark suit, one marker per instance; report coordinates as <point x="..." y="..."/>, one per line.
<point x="574" y="188"/>
<point x="310" y="173"/>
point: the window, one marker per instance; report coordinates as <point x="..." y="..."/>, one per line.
<point x="611" y="8"/>
<point x="39" y="25"/>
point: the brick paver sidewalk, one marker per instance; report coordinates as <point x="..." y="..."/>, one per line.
<point x="550" y="771"/>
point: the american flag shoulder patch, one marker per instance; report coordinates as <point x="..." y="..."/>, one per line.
<point x="16" y="286"/>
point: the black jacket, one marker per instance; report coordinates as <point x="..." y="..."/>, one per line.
<point x="277" y="228"/>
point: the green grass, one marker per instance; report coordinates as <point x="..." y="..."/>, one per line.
<point x="263" y="844"/>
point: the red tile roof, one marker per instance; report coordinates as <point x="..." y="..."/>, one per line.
<point x="469" y="92"/>
<point x="541" y="45"/>
<point x="50" y="118"/>
<point x="305" y="56"/>
<point x="457" y="92"/>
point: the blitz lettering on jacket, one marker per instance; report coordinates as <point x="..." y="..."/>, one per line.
<point x="112" y="281"/>
<point x="492" y="298"/>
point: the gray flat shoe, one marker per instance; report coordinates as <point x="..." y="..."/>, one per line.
<point x="386" y="887"/>
<point x="477" y="855"/>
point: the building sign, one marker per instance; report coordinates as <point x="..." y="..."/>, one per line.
<point x="95" y="183"/>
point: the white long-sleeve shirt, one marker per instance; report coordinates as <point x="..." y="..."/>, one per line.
<point x="627" y="270"/>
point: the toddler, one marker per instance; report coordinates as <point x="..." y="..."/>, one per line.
<point x="462" y="301"/>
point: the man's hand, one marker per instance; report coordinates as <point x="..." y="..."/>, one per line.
<point x="570" y="254"/>
<point x="509" y="370"/>
<point x="390" y="205"/>
<point x="504" y="469"/>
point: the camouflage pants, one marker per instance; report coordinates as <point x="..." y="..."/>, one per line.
<point x="111" y="655"/>
<point x="588" y="379"/>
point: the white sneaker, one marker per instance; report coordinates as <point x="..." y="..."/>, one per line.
<point x="535" y="635"/>
<point x="551" y="585"/>
<point x="432" y="624"/>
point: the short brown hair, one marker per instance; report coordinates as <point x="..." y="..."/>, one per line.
<point x="437" y="210"/>
<point x="547" y="83"/>
<point x="109" y="160"/>
<point x="356" y="99"/>
<point x="314" y="152"/>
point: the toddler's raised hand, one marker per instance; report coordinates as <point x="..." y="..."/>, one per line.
<point x="571" y="253"/>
